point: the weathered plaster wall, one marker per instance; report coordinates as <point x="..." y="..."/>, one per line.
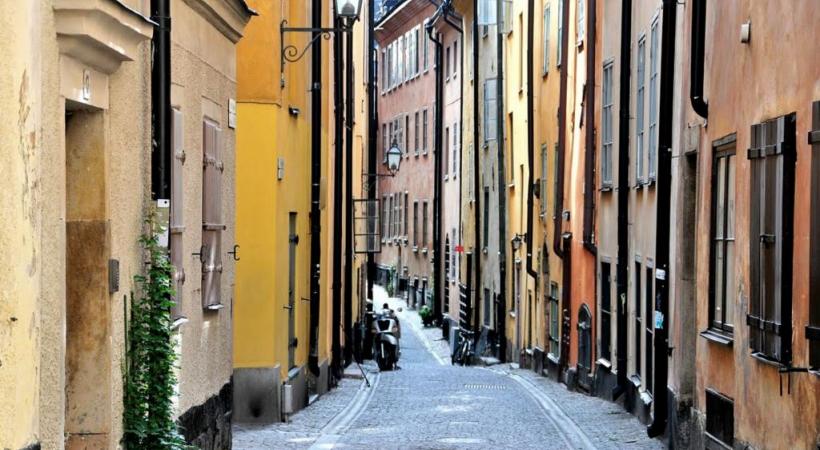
<point x="745" y="84"/>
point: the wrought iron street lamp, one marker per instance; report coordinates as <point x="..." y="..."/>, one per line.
<point x="347" y="10"/>
<point x="393" y="158"/>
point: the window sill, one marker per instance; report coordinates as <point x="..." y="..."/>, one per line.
<point x="604" y="363"/>
<point x="717" y="337"/>
<point x="511" y="186"/>
<point x="635" y="379"/>
<point x="766" y="361"/>
<point x="713" y="443"/>
<point x="213" y="307"/>
<point x="415" y="249"/>
<point x="606" y="189"/>
<point x="553" y="358"/>
<point x="512" y="314"/>
<point x="424" y="251"/>
<point x="484" y="250"/>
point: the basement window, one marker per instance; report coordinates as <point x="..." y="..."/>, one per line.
<point x="720" y="420"/>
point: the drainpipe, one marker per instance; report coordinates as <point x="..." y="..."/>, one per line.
<point x="348" y="281"/>
<point x="502" y="191"/>
<point x="589" y="159"/>
<point x="562" y="129"/>
<point x="477" y="191"/>
<point x="437" y="203"/>
<point x="315" y="182"/>
<point x="562" y="241"/>
<point x="530" y="136"/>
<point x="662" y="256"/>
<point x="622" y="269"/>
<point x="696" y="67"/>
<point x="338" y="199"/>
<point x="372" y="139"/>
<point x="161" y="101"/>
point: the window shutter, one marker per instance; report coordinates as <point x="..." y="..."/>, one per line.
<point x="177" y="208"/>
<point x="813" y="329"/>
<point x="212" y="225"/>
<point x="772" y="159"/>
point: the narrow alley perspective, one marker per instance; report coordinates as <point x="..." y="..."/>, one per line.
<point x="409" y="224"/>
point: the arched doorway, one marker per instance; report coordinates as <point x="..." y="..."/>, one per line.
<point x="584" y="346"/>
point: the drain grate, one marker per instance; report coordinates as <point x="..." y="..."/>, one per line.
<point x="495" y="387"/>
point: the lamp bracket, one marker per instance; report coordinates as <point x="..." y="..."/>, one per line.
<point x="292" y="53"/>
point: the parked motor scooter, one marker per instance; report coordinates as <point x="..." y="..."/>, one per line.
<point x="386" y="337"/>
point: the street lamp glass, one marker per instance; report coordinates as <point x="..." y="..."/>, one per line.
<point x="348" y="9"/>
<point x="393" y="158"/>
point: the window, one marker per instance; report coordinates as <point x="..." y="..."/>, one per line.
<point x="424" y="132"/>
<point x="546" y="50"/>
<point x="415" y="223"/>
<point x="385" y="217"/>
<point x="385" y="83"/>
<point x="720" y="418"/>
<point x="406" y="132"/>
<point x="654" y="59"/>
<point x="385" y="141"/>
<point x="560" y="42"/>
<point x="424" y="224"/>
<point x="606" y="128"/>
<point x="722" y="257"/>
<point x="470" y="175"/>
<point x="543" y="182"/>
<point x="488" y="317"/>
<point x="400" y="49"/>
<point x="511" y="135"/>
<point x="521" y="52"/>
<point x="455" y="59"/>
<point x="813" y="329"/>
<point x="416" y="134"/>
<point x="772" y="160"/>
<point x="406" y="207"/>
<point x="212" y="224"/>
<point x="636" y="309"/>
<point x="455" y="150"/>
<point x="446" y="150"/>
<point x="649" y="325"/>
<point x="639" y="124"/>
<point x="425" y="50"/>
<point x="554" y="320"/>
<point x="486" y="209"/>
<point x="606" y="310"/>
<point x="447" y="63"/>
<point x="177" y="213"/>
<point x="390" y="217"/>
<point x="490" y="107"/>
<point x="580" y="16"/>
<point x="555" y="192"/>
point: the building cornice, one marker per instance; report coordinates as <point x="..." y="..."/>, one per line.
<point x="227" y="16"/>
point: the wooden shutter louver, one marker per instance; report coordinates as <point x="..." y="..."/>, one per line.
<point x="212" y="225"/>
<point x="772" y="160"/>
<point x="177" y="208"/>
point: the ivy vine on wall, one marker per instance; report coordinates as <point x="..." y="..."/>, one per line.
<point x="149" y="379"/>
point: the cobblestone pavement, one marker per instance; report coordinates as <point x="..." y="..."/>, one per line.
<point x="430" y="404"/>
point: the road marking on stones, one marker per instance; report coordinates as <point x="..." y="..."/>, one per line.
<point x="332" y="432"/>
<point x="485" y="386"/>
<point x="570" y="432"/>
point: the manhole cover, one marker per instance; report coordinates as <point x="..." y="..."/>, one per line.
<point x="496" y="387"/>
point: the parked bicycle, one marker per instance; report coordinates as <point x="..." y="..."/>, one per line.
<point x="464" y="352"/>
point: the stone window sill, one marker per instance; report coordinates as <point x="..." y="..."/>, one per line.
<point x="717" y="337"/>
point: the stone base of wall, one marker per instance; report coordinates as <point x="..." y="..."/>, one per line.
<point x="604" y="383"/>
<point x="208" y="426"/>
<point x="686" y="425"/>
<point x="257" y="395"/>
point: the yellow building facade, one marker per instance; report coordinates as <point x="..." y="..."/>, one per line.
<point x="272" y="309"/>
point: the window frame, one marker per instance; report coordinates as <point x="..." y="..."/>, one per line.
<point x="607" y="135"/>
<point x="654" y="100"/>
<point x="606" y="311"/>
<point x="640" y="114"/>
<point x="724" y="148"/>
<point x="545" y="52"/>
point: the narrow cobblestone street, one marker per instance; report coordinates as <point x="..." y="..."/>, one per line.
<point x="429" y="403"/>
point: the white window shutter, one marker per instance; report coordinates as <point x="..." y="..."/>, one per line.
<point x="212" y="225"/>
<point x="177" y="208"/>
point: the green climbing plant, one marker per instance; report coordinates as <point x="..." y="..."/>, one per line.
<point x="391" y="277"/>
<point x="149" y="379"/>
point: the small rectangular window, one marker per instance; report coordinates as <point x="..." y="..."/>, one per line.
<point x="486" y="209"/>
<point x="560" y="43"/>
<point x="455" y="59"/>
<point x="424" y="217"/>
<point x="580" y="16"/>
<point x="424" y="132"/>
<point x="543" y="185"/>
<point x="447" y="63"/>
<point x="720" y="419"/>
<point x="446" y="150"/>
<point x="177" y="213"/>
<point x="416" y="134"/>
<point x="415" y="223"/>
